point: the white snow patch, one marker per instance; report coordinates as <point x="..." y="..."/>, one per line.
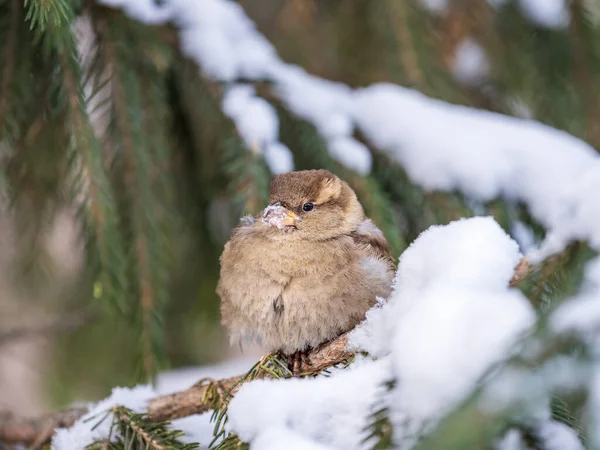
<point x="511" y="441"/>
<point x="351" y="153"/>
<point x="546" y="13"/>
<point x="451" y="285"/>
<point x="553" y="436"/>
<point x="330" y="410"/>
<point x="558" y="436"/>
<point x="283" y="438"/>
<point x="524" y="236"/>
<point x="81" y="434"/>
<point x="279" y="158"/>
<point x="435" y="6"/>
<point x="197" y="428"/>
<point x="486" y="155"/>
<point x="254" y="117"/>
<point x="275" y="216"/>
<point x="582" y="314"/>
<point x="471" y="65"/>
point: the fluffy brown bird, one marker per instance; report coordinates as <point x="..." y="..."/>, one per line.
<point x="306" y="270"/>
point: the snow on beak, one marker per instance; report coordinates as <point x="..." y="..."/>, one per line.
<point x="276" y="215"/>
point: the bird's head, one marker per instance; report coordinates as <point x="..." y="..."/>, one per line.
<point x="312" y="205"/>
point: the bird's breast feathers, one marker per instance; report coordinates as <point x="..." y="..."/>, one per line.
<point x="297" y="293"/>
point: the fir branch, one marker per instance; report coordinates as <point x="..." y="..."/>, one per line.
<point x="232" y="442"/>
<point x="138" y="133"/>
<point x="8" y="61"/>
<point x="404" y="40"/>
<point x="45" y="13"/>
<point x="134" y="431"/>
<point x="380" y="427"/>
<point x="218" y="144"/>
<point x="205" y="395"/>
<point x="582" y="46"/>
<point x="99" y="216"/>
<point x="269" y="366"/>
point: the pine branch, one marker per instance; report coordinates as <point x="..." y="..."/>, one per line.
<point x="404" y="41"/>
<point x="380" y="427"/>
<point x="9" y="57"/>
<point x="202" y="397"/>
<point x="141" y="169"/>
<point x="98" y="214"/>
<point x="45" y="13"/>
<point x="207" y="394"/>
<point x="136" y="432"/>
<point x="232" y="442"/>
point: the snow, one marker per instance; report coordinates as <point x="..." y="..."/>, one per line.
<point x="197" y="428"/>
<point x="511" y="441"/>
<point x="330" y="410"/>
<point x="554" y="173"/>
<point x="451" y="285"/>
<point x="552" y="435"/>
<point x="581" y="314"/>
<point x="546" y="13"/>
<point x="523" y="235"/>
<point x="279" y="158"/>
<point x="81" y="434"/>
<point x="258" y="124"/>
<point x="352" y="154"/>
<point x="277" y="438"/>
<point x="557" y="436"/>
<point x="255" y="118"/>
<point x="470" y="65"/>
<point x="552" y="14"/>
<point x="276" y="216"/>
<point x="224" y="41"/>
<point x="435" y="6"/>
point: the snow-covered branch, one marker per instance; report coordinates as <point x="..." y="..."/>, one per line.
<point x="197" y="399"/>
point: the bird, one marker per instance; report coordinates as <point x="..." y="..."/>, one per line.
<point x="305" y="270"/>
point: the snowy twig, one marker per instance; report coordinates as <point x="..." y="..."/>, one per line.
<point x="195" y="400"/>
<point x="201" y="397"/>
<point x="522" y="271"/>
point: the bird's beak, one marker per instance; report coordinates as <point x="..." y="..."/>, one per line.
<point x="276" y="215"/>
<point x="289" y="219"/>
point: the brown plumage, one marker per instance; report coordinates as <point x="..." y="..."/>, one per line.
<point x="298" y="276"/>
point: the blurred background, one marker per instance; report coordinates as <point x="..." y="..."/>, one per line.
<point x="122" y="178"/>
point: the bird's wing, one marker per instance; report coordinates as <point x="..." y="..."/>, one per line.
<point x="238" y="280"/>
<point x="370" y="237"/>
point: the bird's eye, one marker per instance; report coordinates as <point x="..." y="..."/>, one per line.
<point x="308" y="207"/>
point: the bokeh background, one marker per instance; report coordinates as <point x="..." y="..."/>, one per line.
<point x="113" y="215"/>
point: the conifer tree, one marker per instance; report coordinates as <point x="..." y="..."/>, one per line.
<point x="110" y="119"/>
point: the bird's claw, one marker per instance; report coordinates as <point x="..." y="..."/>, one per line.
<point x="296" y="361"/>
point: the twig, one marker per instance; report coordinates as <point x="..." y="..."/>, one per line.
<point x="522" y="271"/>
<point x="194" y="400"/>
<point x="197" y="399"/>
<point x="15" y="429"/>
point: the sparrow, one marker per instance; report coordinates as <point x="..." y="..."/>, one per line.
<point x="305" y="270"/>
